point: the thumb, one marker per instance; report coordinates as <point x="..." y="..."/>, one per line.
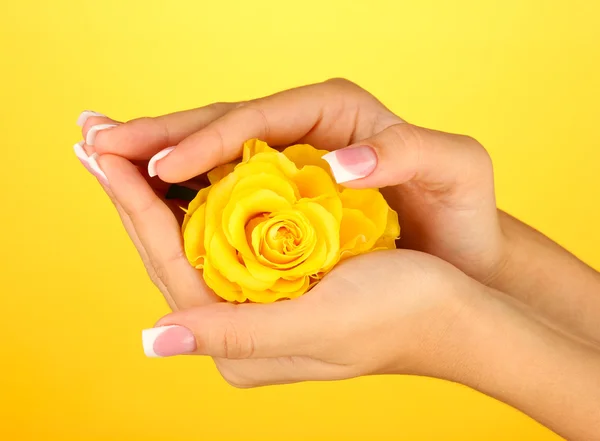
<point x="233" y="331"/>
<point x="404" y="152"/>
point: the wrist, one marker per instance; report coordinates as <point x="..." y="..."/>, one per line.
<point x="446" y="342"/>
<point x="510" y="353"/>
<point x="543" y="275"/>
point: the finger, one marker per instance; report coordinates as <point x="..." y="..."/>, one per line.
<point x="88" y="120"/>
<point x="127" y="224"/>
<point x="283" y="370"/>
<point x="141" y="138"/>
<point x="158" y="232"/>
<point x="90" y="163"/>
<point x="311" y="114"/>
<point x="404" y="152"/>
<point x="235" y="331"/>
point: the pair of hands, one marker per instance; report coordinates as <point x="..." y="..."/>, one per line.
<point x="384" y="312"/>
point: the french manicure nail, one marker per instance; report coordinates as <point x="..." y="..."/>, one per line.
<point x="79" y="152"/>
<point x="85" y="115"/>
<point x="96" y="170"/>
<point x="90" y="163"/>
<point x="351" y="163"/>
<point x="166" y="341"/>
<point x="82" y="156"/>
<point x="152" y="163"/>
<point x="91" y="134"/>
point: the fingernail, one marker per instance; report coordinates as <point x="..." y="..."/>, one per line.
<point x="152" y="163"/>
<point x="85" y="115"/>
<point x="166" y="341"/>
<point x="90" y="163"/>
<point x="79" y="152"/>
<point x="351" y="163"/>
<point x="96" y="170"/>
<point x="91" y="134"/>
<point x="82" y="156"/>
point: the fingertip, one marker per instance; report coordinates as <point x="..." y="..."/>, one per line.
<point x="167" y="341"/>
<point x="94" y="120"/>
<point x="85" y="115"/>
<point x="352" y="163"/>
<point x="152" y="164"/>
<point x="94" y="131"/>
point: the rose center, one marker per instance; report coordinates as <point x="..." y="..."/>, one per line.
<point x="282" y="239"/>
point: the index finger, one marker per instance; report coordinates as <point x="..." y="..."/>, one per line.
<point x="325" y="115"/>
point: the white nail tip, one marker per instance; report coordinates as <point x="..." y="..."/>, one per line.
<point x="85" y="115"/>
<point x="149" y="336"/>
<point x="80" y="152"/>
<point x="340" y="173"/>
<point x="152" y="163"/>
<point x="93" y="163"/>
<point x="91" y="134"/>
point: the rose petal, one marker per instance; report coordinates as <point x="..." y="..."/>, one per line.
<point x="220" y="195"/>
<point x="224" y="258"/>
<point x="313" y="182"/>
<point x="193" y="237"/>
<point x="242" y="208"/>
<point x="218" y="173"/>
<point x="357" y="233"/>
<point x="283" y="290"/>
<point x="304" y="154"/>
<point x="277" y="159"/>
<point x="392" y="227"/>
<point x="266" y="248"/>
<point x="327" y="235"/>
<point x="253" y="147"/>
<point x="371" y="203"/>
<point x="265" y="181"/>
<point x="220" y="285"/>
<point x="195" y="203"/>
<point x="332" y="204"/>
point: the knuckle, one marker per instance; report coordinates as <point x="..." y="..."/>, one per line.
<point x="241" y="104"/>
<point x="341" y="82"/>
<point x="137" y="209"/>
<point x="152" y="274"/>
<point x="139" y="128"/>
<point x="219" y="105"/>
<point x="479" y="154"/>
<point x="158" y="269"/>
<point x="141" y="120"/>
<point x="236" y="342"/>
<point x="384" y="119"/>
<point x="407" y="135"/>
<point x="160" y="272"/>
<point x="254" y="112"/>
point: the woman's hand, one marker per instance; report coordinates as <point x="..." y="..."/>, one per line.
<point x="440" y="184"/>
<point x="401" y="312"/>
<point x="383" y="312"/>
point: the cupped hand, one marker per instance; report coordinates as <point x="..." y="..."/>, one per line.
<point x="384" y="312"/>
<point x="440" y="184"/>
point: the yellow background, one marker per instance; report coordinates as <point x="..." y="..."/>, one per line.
<point x="521" y="76"/>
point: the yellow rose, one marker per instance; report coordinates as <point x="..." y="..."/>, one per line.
<point x="270" y="226"/>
